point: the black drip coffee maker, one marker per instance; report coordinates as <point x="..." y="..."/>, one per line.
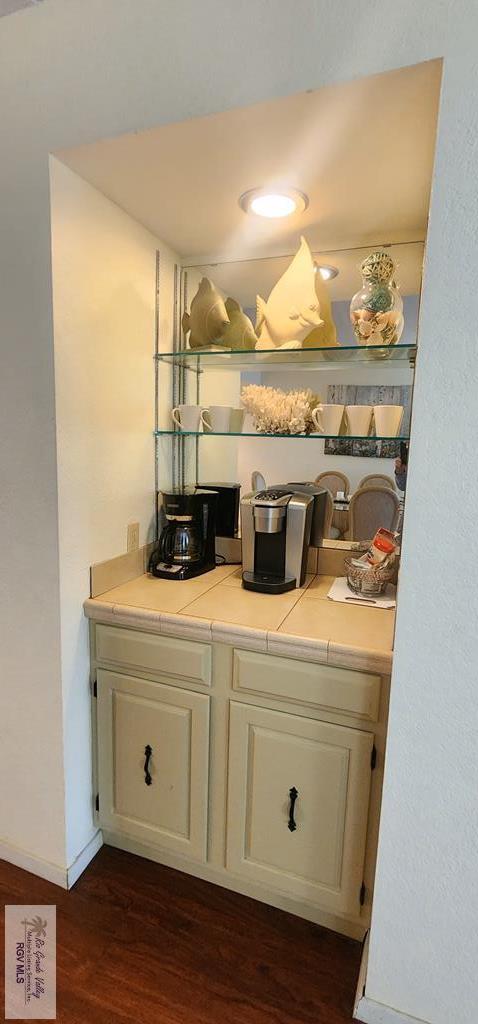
<point x="186" y="546"/>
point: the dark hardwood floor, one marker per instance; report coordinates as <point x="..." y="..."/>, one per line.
<point x="138" y="942"/>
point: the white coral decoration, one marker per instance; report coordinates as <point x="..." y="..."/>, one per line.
<point x="279" y="412"/>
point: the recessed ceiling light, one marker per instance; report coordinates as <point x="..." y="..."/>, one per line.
<point x="326" y="272"/>
<point x="277" y="203"/>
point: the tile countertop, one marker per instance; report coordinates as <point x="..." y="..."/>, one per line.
<point x="302" y="623"/>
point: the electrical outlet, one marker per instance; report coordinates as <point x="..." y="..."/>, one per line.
<point x="132" y="537"/>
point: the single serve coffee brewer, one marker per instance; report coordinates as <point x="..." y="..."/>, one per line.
<point x="275" y="526"/>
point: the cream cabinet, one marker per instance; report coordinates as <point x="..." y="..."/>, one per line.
<point x="248" y="769"/>
<point x="298" y="804"/>
<point x="153" y="762"/>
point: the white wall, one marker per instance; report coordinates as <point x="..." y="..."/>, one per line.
<point x="71" y="72"/>
<point x="218" y="456"/>
<point x="104" y="274"/>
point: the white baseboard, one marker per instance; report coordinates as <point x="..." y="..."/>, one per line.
<point x="64" y="877"/>
<point x="84" y="858"/>
<point x="370" y="1012"/>
<point x="35" y="865"/>
<point x="362" y="978"/>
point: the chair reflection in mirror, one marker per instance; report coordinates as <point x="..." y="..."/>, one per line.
<point x="258" y="481"/>
<point x="333" y="481"/>
<point x="376" y="480"/>
<point x="371" y="508"/>
<point x="331" y="532"/>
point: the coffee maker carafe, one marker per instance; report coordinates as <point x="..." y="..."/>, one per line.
<point x="186" y="546"/>
<point x="276" y="525"/>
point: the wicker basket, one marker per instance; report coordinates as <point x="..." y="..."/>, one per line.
<point x="369" y="579"/>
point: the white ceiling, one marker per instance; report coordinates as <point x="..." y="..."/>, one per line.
<point x="362" y="151"/>
<point x="10" y="6"/>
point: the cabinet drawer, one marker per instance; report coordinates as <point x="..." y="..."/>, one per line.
<point x="337" y="689"/>
<point x="182" y="659"/>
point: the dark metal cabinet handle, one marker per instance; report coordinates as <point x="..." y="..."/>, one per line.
<point x="293" y="794"/>
<point x="147" y="777"/>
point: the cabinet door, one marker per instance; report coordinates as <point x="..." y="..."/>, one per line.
<point x="160" y="800"/>
<point x="274" y="756"/>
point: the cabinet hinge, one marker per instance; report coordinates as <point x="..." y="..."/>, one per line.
<point x="363" y="892"/>
<point x="97" y="801"/>
<point x="95" y="689"/>
<point x="373" y="758"/>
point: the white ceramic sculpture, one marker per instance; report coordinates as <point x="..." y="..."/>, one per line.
<point x="239" y="334"/>
<point x="208" y="317"/>
<point x="324" y="336"/>
<point x="292" y="309"/>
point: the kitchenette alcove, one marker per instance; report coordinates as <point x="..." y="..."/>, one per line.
<point x="240" y="736"/>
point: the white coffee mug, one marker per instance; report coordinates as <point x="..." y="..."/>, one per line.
<point x="187" y="417"/>
<point x="387" y="419"/>
<point x="216" y="419"/>
<point x="237" y="421"/>
<point x="328" y="418"/>
<point x="358" y="419"/>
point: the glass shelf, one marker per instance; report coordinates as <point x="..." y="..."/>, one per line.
<point x="299" y="437"/>
<point x="299" y="358"/>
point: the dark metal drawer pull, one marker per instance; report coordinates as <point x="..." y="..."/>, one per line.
<point x="293" y="794"/>
<point x="147" y="777"/>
